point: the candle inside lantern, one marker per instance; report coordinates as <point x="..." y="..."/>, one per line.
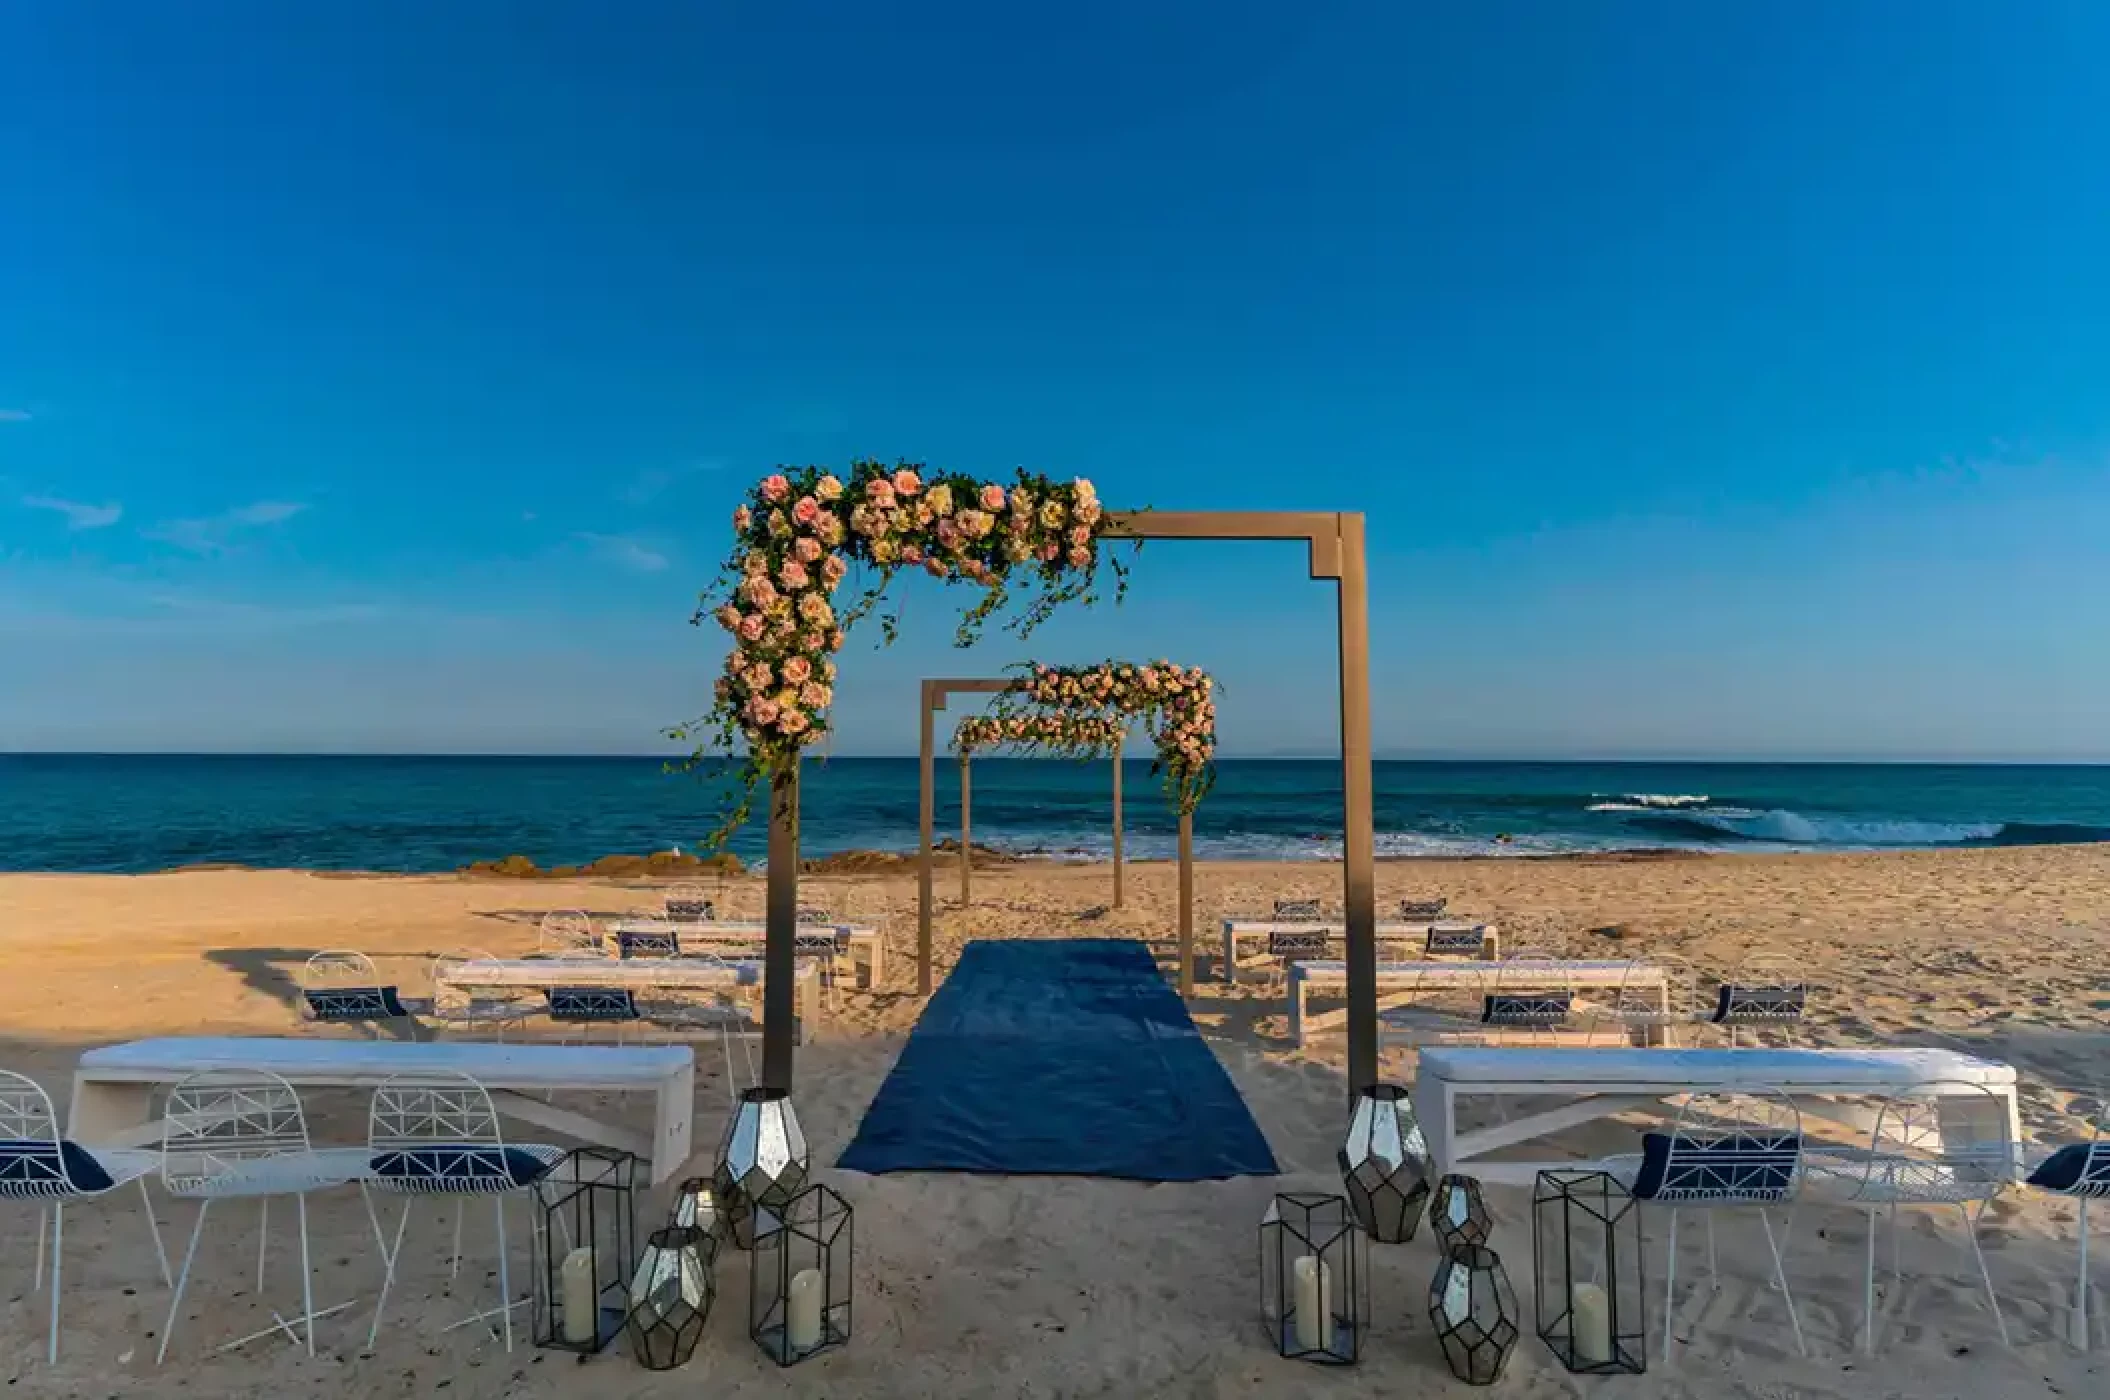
<point x="582" y="1307"/>
<point x="1314" y="1303"/>
<point x="802" y="1312"/>
<point x="1591" y="1325"/>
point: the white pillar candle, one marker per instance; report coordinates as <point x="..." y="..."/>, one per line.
<point x="1590" y="1324"/>
<point x="582" y="1309"/>
<point x="1314" y="1303"/>
<point x="802" y="1312"/>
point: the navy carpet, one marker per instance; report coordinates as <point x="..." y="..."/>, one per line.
<point x="1070" y="1057"/>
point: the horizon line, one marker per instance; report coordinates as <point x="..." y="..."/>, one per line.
<point x="1684" y="760"/>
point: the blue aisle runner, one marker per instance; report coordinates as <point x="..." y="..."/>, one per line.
<point x="1068" y="1057"/>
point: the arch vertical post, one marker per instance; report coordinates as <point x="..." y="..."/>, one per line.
<point x="1186" y="903"/>
<point x="925" y="815"/>
<point x="966" y="835"/>
<point x="1117" y="826"/>
<point x="780" y="959"/>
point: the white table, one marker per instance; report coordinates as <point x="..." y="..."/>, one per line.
<point x="1601" y="1083"/>
<point x="1401" y="982"/>
<point x="1412" y="935"/>
<point x="635" y="975"/>
<point x="863" y="941"/>
<point x="113" y="1087"/>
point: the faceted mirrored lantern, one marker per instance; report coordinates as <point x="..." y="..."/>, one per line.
<point x="799" y="1280"/>
<point x="1314" y="1278"/>
<point x="1457" y="1213"/>
<point x="1474" y="1312"/>
<point x="762" y="1162"/>
<point x="585" y="1243"/>
<point x="1385" y="1164"/>
<point x="1586" y="1242"/>
<point x="696" y="1208"/>
<point x="670" y="1298"/>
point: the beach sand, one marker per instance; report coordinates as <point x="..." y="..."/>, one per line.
<point x="996" y="1286"/>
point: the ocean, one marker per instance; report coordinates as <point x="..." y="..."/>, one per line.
<point x="83" y="812"/>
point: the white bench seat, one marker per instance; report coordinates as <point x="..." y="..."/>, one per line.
<point x="1398" y="983"/>
<point x="863" y="942"/>
<point x="1412" y="936"/>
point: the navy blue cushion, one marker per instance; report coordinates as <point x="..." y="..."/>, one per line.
<point x="1457" y="940"/>
<point x="591" y="1004"/>
<point x="657" y="943"/>
<point x="27" y="1167"/>
<point x="354" y="1003"/>
<point x="1747" y="1166"/>
<point x="1760" y="1003"/>
<point x="1527" y="1008"/>
<point x="690" y="910"/>
<point x="1297" y="945"/>
<point x="441" y="1163"/>
<point x="2065" y="1169"/>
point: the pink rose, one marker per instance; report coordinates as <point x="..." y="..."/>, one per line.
<point x="759" y="591"/>
<point x="814" y="608"/>
<point x="1080" y="534"/>
<point x="911" y="554"/>
<point x="948" y="533"/>
<point x="992" y="497"/>
<point x="879" y="491"/>
<point x="936" y="567"/>
<point x="835" y="639"/>
<point x="833" y="569"/>
<point x="760" y="676"/>
<point x="728" y="617"/>
<point x="807" y="549"/>
<point x="751" y="628"/>
<point x="1079" y="558"/>
<point x="742" y="518"/>
<point x="828" y="489"/>
<point x="775" y="487"/>
<point x="806" y="511"/>
<point x="797" y="670"/>
<point x="814" y="697"/>
<point x="831" y="530"/>
<point x="907" y="483"/>
<point x="762" y="710"/>
<point x="1050" y="552"/>
<point x="793" y="721"/>
<point x="813" y="639"/>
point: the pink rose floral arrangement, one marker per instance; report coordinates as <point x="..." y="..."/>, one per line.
<point x="1076" y="736"/>
<point x="1177" y="704"/>
<point x="802" y="531"/>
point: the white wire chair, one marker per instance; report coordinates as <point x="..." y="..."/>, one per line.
<point x="646" y="933"/>
<point x="580" y="1009"/>
<point x="340" y="986"/>
<point x="1417" y="910"/>
<point x="1530" y="996"/>
<point x="1659" y="993"/>
<point x="670" y="1009"/>
<point x="1766" y="989"/>
<point x="1934" y="1144"/>
<point x="1724" y="1151"/>
<point x="2080" y="1171"/>
<point x="241" y="1134"/>
<point x="37" y="1164"/>
<point x="1447" y="1008"/>
<point x="458" y="1008"/>
<point x="819" y="935"/>
<point x="689" y="904"/>
<point x="437" y="1134"/>
<point x="569" y="933"/>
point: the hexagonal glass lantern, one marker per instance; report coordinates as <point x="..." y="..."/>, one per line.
<point x="1586" y="1246"/>
<point x="1314" y="1278"/>
<point x="1474" y="1312"/>
<point x="584" y="1242"/>
<point x="1385" y="1164"/>
<point x="762" y="1162"/>
<point x="799" y="1284"/>
<point x="1457" y="1213"/>
<point x="670" y="1298"/>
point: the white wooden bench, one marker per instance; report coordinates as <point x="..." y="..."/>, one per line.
<point x="863" y="942"/>
<point x="1414" y="937"/>
<point x="637" y="975"/>
<point x="113" y="1087"/>
<point x="1597" y="1084"/>
<point x="1400" y="983"/>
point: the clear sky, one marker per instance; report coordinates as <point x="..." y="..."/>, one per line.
<point x="1719" y="379"/>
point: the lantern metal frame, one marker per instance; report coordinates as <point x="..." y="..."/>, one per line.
<point x="815" y="1230"/>
<point x="1458" y="1212"/>
<point x="587" y="1201"/>
<point x="1323" y="1228"/>
<point x="663" y="1333"/>
<point x="1473" y="1308"/>
<point x="1586" y="1222"/>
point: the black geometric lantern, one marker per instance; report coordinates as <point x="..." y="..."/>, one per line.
<point x="799" y="1294"/>
<point x="762" y="1162"/>
<point x="1385" y="1164"/>
<point x="1314" y="1279"/>
<point x="1475" y="1314"/>
<point x="1457" y="1213"/>
<point x="670" y="1297"/>
<point x="1586" y="1240"/>
<point x="587" y="1240"/>
<point x="696" y="1208"/>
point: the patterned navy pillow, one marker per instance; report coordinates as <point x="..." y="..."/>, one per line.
<point x="32" y="1163"/>
<point x="354" y="1004"/>
<point x="591" y="1003"/>
<point x="1760" y="1004"/>
<point x="439" y="1164"/>
<point x="1739" y="1166"/>
<point x="1527" y="1008"/>
<point x="2067" y="1168"/>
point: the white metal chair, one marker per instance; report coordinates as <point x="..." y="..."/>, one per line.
<point x="689" y="904"/>
<point x="2080" y="1171"/>
<point x="816" y="937"/>
<point x="1766" y="989"/>
<point x="1724" y="1151"/>
<point x="1448" y="1009"/>
<point x="1414" y="911"/>
<point x="241" y="1134"/>
<point x="471" y="1009"/>
<point x="340" y="986"/>
<point x="671" y="1009"/>
<point x="1647" y="1005"/>
<point x="1521" y="999"/>
<point x="1935" y="1144"/>
<point x="569" y="933"/>
<point x="437" y="1134"/>
<point x="646" y="933"/>
<point x="36" y="1164"/>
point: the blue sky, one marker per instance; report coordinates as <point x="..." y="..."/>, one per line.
<point x="1719" y="380"/>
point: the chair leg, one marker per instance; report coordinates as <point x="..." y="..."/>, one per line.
<point x="2078" y="1326"/>
<point x="1985" y="1275"/>
<point x="307" y="1274"/>
<point x="58" y="1257"/>
<point x="1670" y="1281"/>
<point x="1868" y="1293"/>
<point x="168" y="1328"/>
<point x="263" y="1240"/>
<point x="505" y="1277"/>
<point x="1780" y="1273"/>
<point x="389" y="1254"/>
<point x="454" y="1260"/>
<point x="1714" y="1270"/>
<point x="146" y="1202"/>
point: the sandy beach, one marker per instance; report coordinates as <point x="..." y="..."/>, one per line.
<point x="1013" y="1286"/>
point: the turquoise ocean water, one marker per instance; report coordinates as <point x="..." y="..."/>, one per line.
<point x="148" y="812"/>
